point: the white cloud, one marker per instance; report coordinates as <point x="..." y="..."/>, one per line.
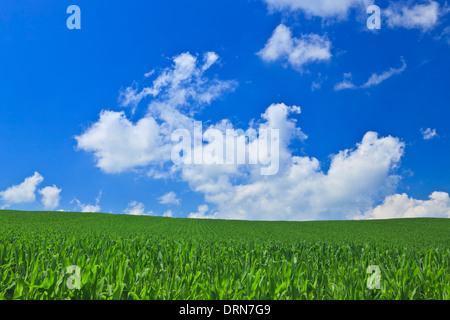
<point x="182" y="84"/>
<point x="303" y="191"/>
<point x="345" y="84"/>
<point x="202" y="213"/>
<point x="169" y="198"/>
<point x="148" y="74"/>
<point x="315" y="85"/>
<point x="320" y="8"/>
<point x="216" y="180"/>
<point x="297" y="52"/>
<point x="118" y="144"/>
<point x="22" y="193"/>
<point x="375" y="79"/>
<point x="89" y="207"/>
<point x="402" y="206"/>
<point x="136" y="209"/>
<point x="50" y="197"/>
<point x="300" y="190"/>
<point x="420" y="16"/>
<point x="209" y="59"/>
<point x="168" y="214"/>
<point x="356" y="179"/>
<point x="445" y="35"/>
<point x="429" y="133"/>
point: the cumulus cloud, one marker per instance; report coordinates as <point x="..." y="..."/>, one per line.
<point x="296" y="52"/>
<point x="118" y="144"/>
<point x="303" y="191"/>
<point x="320" y="8"/>
<point x="420" y="16"/>
<point x="217" y="179"/>
<point x="22" y="193"/>
<point x="402" y="206"/>
<point x="50" y="197"/>
<point x="429" y="133"/>
<point x="300" y="189"/>
<point x="169" y="198"/>
<point x="136" y="209"/>
<point x="184" y="83"/>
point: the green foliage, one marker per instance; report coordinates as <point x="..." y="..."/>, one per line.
<point x="129" y="257"/>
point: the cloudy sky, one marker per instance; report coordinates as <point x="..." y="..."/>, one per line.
<point x="87" y="115"/>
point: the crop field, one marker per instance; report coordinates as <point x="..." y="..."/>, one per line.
<point x="143" y="257"/>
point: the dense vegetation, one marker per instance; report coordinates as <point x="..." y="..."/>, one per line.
<point x="140" y="257"/>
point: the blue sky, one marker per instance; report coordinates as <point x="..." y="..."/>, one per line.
<point x="55" y="83"/>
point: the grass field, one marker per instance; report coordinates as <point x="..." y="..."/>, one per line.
<point x="141" y="257"/>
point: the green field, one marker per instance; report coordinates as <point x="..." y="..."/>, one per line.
<point x="141" y="257"/>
